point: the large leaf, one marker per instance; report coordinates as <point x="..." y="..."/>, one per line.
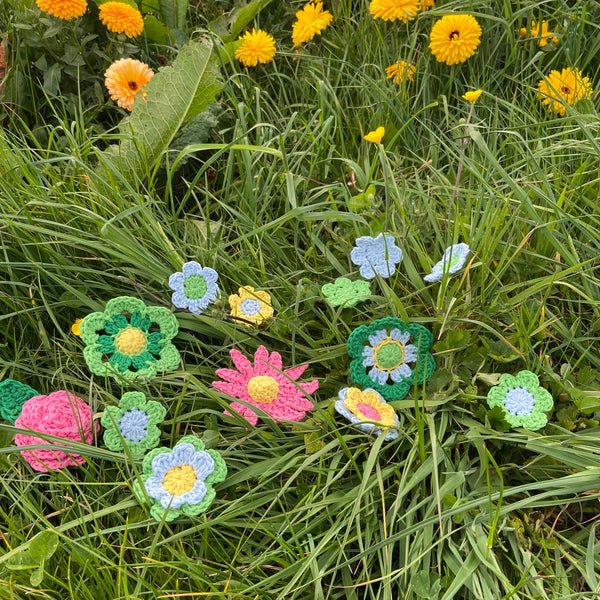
<point x="175" y="95"/>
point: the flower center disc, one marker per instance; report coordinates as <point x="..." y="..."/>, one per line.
<point x="454" y="35"/>
<point x="180" y="480"/>
<point x="367" y="406"/>
<point x="389" y="355"/>
<point x="131" y="341"/>
<point x="263" y="389"/>
<point x="454" y="261"/>
<point x="519" y="401"/>
<point x="250" y="307"/>
<point x="195" y="287"/>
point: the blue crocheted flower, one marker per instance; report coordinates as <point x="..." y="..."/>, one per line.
<point x="453" y="260"/>
<point x="376" y="256"/>
<point x="195" y="287"/>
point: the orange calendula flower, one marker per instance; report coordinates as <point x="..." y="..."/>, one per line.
<point x="119" y="17"/>
<point x="63" y="9"/>
<point x="375" y="136"/>
<point x="564" y="87"/>
<point x="75" y="328"/>
<point x="454" y="38"/>
<point x="257" y="47"/>
<point x="400" y="71"/>
<point x="251" y="306"/>
<point x="472" y="96"/>
<point x="540" y="31"/>
<point x="311" y="20"/>
<point x="125" y="78"/>
<point x="390" y="10"/>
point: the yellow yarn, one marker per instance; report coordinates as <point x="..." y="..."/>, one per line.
<point x="263" y="389"/>
<point x="131" y="341"/>
<point x="180" y="480"/>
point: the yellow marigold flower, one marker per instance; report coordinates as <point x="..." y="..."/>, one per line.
<point x="63" y="9"/>
<point x="472" y="96"/>
<point x="375" y="136"/>
<point x="400" y="71"/>
<point x="125" y="78"/>
<point x="390" y="10"/>
<point x="75" y="328"/>
<point x="425" y="4"/>
<point x="256" y="47"/>
<point x="454" y="38"/>
<point x="251" y="306"/>
<point x="544" y="35"/>
<point x="312" y="19"/>
<point x="565" y="87"/>
<point x="119" y="17"/>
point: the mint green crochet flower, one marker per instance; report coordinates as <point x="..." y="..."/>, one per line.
<point x="130" y="339"/>
<point x="134" y="423"/>
<point x="346" y="292"/>
<point x="522" y="399"/>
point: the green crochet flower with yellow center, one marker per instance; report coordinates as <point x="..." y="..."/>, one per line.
<point x="130" y="339"/>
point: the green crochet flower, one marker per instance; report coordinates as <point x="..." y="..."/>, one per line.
<point x="522" y="399"/>
<point x="13" y="394"/>
<point x="389" y="355"/>
<point x="346" y="292"/>
<point x="134" y="423"/>
<point x="130" y="339"/>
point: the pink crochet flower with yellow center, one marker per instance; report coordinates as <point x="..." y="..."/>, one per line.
<point x="266" y="386"/>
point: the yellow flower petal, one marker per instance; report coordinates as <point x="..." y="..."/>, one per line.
<point x="75" y="328"/>
<point x="375" y="136"/>
<point x="257" y="47"/>
<point x="473" y="96"/>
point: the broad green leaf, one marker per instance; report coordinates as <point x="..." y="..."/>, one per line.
<point x="43" y="545"/>
<point x="21" y="561"/>
<point x="36" y="577"/>
<point x="173" y="13"/>
<point x="155" y="30"/>
<point x="242" y="16"/>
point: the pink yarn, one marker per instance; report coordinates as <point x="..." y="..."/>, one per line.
<point x="60" y="414"/>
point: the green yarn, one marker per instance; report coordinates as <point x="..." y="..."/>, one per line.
<point x="195" y="287"/>
<point x="390" y="355"/>
<point x="13" y="394"/>
<point x="346" y="292"/>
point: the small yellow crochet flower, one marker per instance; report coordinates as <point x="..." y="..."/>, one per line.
<point x="401" y="71"/>
<point x="454" y="38"/>
<point x="311" y="20"/>
<point x="251" y="306"/>
<point x="63" y="9"/>
<point x="375" y="136"/>
<point x="125" y="78"/>
<point x="119" y="17"/>
<point x="544" y="35"/>
<point x="472" y="96"/>
<point x="390" y="10"/>
<point x="257" y="46"/>
<point x="564" y="87"/>
<point x="75" y="328"/>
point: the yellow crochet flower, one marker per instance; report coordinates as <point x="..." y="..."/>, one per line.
<point x="125" y="78"/>
<point x="454" y="38"/>
<point x="544" y="35"/>
<point x="375" y="136"/>
<point x="257" y="46"/>
<point x="75" y="328"/>
<point x="252" y="307"/>
<point x="311" y="20"/>
<point x="472" y="96"/>
<point x="390" y="10"/>
<point x="400" y="71"/>
<point x="63" y="9"/>
<point x="564" y="87"/>
<point x="119" y="17"/>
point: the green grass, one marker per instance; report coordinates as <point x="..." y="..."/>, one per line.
<point x="459" y="506"/>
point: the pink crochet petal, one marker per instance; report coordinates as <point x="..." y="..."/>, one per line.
<point x="242" y="364"/>
<point x="232" y="375"/>
<point x="310" y="387"/>
<point x="275" y="361"/>
<point x="261" y="358"/>
<point x="295" y="372"/>
<point x="282" y="412"/>
<point x="246" y="412"/>
<point x="233" y="389"/>
<point x="292" y="397"/>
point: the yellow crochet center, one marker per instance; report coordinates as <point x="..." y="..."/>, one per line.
<point x="263" y="389"/>
<point x="180" y="480"/>
<point x="131" y="341"/>
<point x="355" y="400"/>
<point x="388" y="355"/>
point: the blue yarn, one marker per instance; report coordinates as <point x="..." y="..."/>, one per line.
<point x="134" y="425"/>
<point x="519" y="401"/>
<point x="250" y="307"/>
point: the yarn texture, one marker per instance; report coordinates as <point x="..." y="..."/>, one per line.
<point x="453" y="261"/>
<point x="346" y="292"/>
<point x="376" y="256"/>
<point x="13" y="394"/>
<point x="250" y="306"/>
<point x="61" y="414"/>
<point x="195" y="287"/>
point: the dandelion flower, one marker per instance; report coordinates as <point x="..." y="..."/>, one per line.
<point x="125" y="78"/>
<point x="63" y="9"/>
<point x="312" y="19"/>
<point x="400" y="71"/>
<point x="472" y="96"/>
<point x="390" y="10"/>
<point x="564" y="87"/>
<point x="256" y="47"/>
<point x="119" y="17"/>
<point x="375" y="136"/>
<point x="454" y="38"/>
<point x="541" y="32"/>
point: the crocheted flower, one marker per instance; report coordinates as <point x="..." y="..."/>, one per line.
<point x="453" y="261"/>
<point x="250" y="306"/>
<point x="522" y="399"/>
<point x="265" y="386"/>
<point x="195" y="287"/>
<point x="368" y="411"/>
<point x="61" y="414"/>
<point x="134" y="423"/>
<point x="346" y="292"/>
<point x="130" y="339"/>
<point x="376" y="256"/>
<point x="390" y="356"/>
<point x="180" y="481"/>
<point x="13" y="394"/>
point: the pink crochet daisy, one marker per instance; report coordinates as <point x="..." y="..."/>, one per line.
<point x="266" y="386"/>
<point x="60" y="414"/>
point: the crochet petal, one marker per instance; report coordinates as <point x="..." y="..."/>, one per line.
<point x="191" y="268"/>
<point x="275" y="361"/>
<point x="247" y="413"/>
<point x="295" y="372"/>
<point x="231" y="389"/>
<point x="176" y="282"/>
<point x="232" y="376"/>
<point x="242" y="364"/>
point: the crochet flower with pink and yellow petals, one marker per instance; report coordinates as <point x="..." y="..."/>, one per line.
<point x="267" y="386"/>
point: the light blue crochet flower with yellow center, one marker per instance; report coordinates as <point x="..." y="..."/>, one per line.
<point x="376" y="256"/>
<point x="453" y="261"/>
<point x="194" y="288"/>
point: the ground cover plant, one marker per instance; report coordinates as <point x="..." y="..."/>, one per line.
<point x="254" y="209"/>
